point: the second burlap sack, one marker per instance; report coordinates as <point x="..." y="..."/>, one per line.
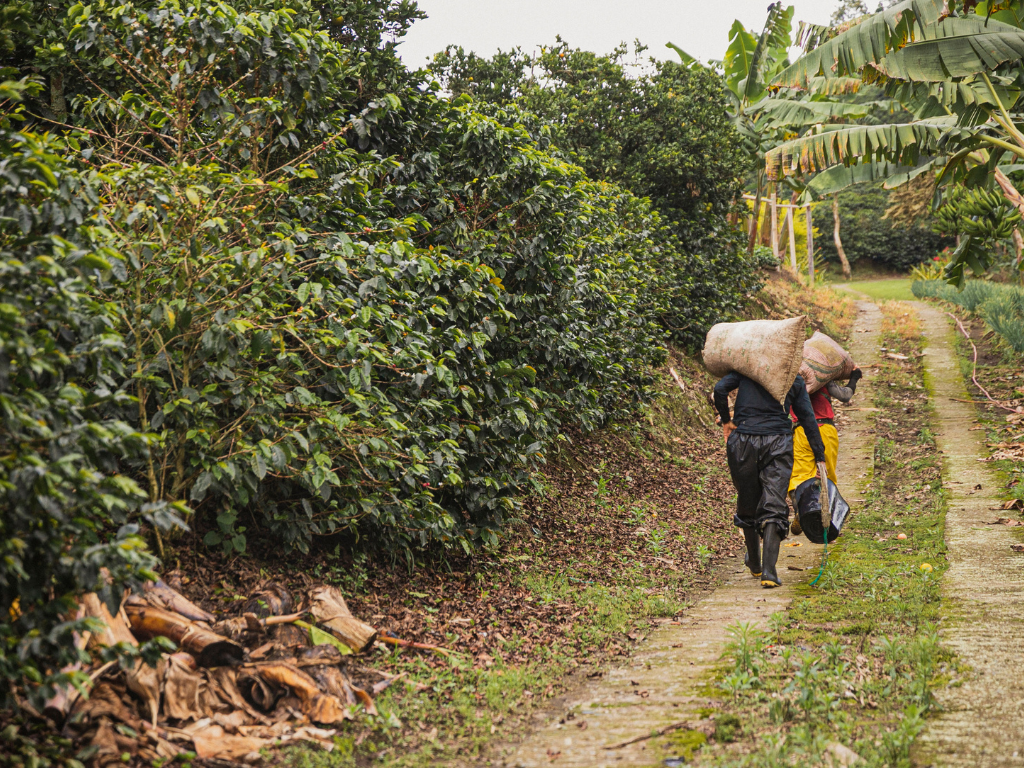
<point x="824" y="361"/>
<point x="768" y="351"/>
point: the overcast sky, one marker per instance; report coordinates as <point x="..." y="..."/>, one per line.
<point x="699" y="27"/>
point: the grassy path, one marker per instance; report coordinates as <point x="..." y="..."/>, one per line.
<point x="667" y="682"/>
<point x="890" y="289"/>
<point x="981" y="724"/>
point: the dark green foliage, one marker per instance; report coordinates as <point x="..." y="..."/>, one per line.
<point x="321" y="339"/>
<point x="867" y="235"/>
<point x="275" y="277"/>
<point x="664" y="134"/>
<point x="65" y="512"/>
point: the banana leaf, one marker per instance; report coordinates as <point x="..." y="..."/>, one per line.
<point x="795" y="114"/>
<point x="840" y="177"/>
<point x="900" y="143"/>
<point x="933" y="61"/>
<point x="846" y="54"/>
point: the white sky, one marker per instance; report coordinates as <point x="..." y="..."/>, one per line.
<point x="699" y="27"/>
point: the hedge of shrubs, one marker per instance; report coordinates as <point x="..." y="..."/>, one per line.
<point x="273" y="286"/>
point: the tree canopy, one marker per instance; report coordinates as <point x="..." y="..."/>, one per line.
<point x="660" y="130"/>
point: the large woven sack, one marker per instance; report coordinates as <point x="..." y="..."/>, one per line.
<point x="824" y="361"/>
<point x="768" y="351"/>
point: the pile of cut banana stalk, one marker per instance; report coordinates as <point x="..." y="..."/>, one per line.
<point x="280" y="672"/>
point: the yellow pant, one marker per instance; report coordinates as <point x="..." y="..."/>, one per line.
<point x="804" y="467"/>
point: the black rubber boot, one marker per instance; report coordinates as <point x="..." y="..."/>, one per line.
<point x="795" y="528"/>
<point x="770" y="556"/>
<point x="753" y="557"/>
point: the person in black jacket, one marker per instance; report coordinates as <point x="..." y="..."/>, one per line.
<point x="759" y="447"/>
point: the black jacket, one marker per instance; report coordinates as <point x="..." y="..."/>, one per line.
<point x="758" y="413"/>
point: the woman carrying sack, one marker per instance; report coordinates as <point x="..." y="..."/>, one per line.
<point x="804" y="484"/>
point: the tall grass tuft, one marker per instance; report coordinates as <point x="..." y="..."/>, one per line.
<point x="1000" y="306"/>
<point x="928" y="289"/>
<point x="1004" y="314"/>
<point x="975" y="293"/>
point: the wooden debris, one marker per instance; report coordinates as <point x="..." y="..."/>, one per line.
<point x="392" y="640"/>
<point x="653" y="734"/>
<point x="208" y="697"/>
<point x="160" y="595"/>
<point x="319" y="707"/>
<point x="272" y="600"/>
<point x="117" y="630"/>
<point x="208" y="648"/>
<point x="329" y="608"/>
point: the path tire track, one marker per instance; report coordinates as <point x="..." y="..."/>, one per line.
<point x="982" y="724"/>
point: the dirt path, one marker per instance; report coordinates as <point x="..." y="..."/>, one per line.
<point x="984" y="583"/>
<point x="660" y="683"/>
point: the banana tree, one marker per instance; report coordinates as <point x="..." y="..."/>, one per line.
<point x="956" y="70"/>
<point x="762" y="120"/>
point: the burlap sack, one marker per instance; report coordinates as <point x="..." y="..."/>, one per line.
<point x="768" y="351"/>
<point x="824" y="361"/>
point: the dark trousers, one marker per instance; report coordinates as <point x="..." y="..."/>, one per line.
<point x="761" y="466"/>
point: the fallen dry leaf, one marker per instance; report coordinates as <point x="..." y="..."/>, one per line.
<point x="320" y="707"/>
<point x="212" y="741"/>
<point x="145" y="681"/>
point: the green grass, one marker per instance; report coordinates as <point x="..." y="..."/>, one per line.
<point x="885" y="290"/>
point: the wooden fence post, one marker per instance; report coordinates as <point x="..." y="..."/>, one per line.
<point x="775" y="225"/>
<point x="810" y="245"/>
<point x="792" y="239"/>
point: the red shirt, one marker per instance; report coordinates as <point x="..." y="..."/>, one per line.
<point x="822" y="405"/>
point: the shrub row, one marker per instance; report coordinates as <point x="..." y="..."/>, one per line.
<point x="1000" y="306"/>
<point x="290" y="286"/>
